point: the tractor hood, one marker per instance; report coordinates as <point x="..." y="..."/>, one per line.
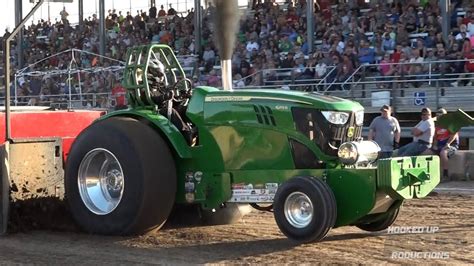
<point x="283" y="97"/>
<point x="324" y="121"/>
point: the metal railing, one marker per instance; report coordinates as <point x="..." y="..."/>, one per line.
<point x="68" y="101"/>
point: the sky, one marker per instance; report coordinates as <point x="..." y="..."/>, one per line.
<point x="7" y="12"/>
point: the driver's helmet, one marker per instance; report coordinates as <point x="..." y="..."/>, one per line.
<point x="156" y="73"/>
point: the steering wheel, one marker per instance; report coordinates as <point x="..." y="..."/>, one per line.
<point x="182" y="89"/>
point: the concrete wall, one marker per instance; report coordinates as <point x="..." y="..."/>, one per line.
<point x="461" y="165"/>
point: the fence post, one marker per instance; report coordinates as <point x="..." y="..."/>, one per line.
<point x="437" y="94"/>
<point x="429" y="74"/>
<point x="363" y="82"/>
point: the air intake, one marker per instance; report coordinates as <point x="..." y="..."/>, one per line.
<point x="264" y="115"/>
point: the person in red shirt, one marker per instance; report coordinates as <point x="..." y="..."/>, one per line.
<point x="119" y="94"/>
<point x="445" y="143"/>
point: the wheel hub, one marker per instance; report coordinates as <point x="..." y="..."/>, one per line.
<point x="100" y="181"/>
<point x="298" y="210"/>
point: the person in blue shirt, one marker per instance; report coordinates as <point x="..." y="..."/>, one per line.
<point x="366" y="54"/>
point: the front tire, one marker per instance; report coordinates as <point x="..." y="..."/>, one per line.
<point x="305" y="209"/>
<point x="120" y="178"/>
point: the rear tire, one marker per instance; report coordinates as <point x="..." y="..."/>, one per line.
<point x="143" y="178"/>
<point x="305" y="209"/>
<point x="381" y="224"/>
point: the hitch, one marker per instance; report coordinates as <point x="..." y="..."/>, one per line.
<point x="408" y="177"/>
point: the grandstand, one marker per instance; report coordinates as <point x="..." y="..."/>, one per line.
<point x="376" y="53"/>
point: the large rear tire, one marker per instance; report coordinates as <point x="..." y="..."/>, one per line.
<point x="305" y="209"/>
<point x="120" y="178"/>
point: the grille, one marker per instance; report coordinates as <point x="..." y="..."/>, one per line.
<point x="328" y="137"/>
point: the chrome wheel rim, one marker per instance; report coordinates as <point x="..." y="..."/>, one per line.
<point x="298" y="210"/>
<point x="100" y="181"/>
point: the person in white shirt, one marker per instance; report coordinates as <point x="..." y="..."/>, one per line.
<point x="252" y="45"/>
<point x="463" y="33"/>
<point x="422" y="133"/>
<point x="470" y="26"/>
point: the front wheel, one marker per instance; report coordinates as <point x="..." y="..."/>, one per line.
<point x="120" y="178"/>
<point x="305" y="209"/>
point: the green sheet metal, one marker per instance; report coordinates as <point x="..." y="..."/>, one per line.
<point x="408" y="177"/>
<point x="454" y="121"/>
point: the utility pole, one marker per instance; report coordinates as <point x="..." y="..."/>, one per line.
<point x="19" y="40"/>
<point x="310" y="25"/>
<point x="197" y="27"/>
<point x="81" y="12"/>
<point x="102" y="27"/>
<point x="446" y="15"/>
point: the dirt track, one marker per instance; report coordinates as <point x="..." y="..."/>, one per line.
<point x="256" y="239"/>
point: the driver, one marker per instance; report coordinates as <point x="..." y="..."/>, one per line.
<point x="163" y="96"/>
<point x="158" y="83"/>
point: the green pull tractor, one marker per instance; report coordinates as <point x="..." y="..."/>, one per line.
<point x="297" y="154"/>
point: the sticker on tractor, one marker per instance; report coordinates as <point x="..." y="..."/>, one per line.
<point x="253" y="198"/>
<point x="189" y="177"/>
<point x="242" y="186"/>
<point x="253" y="193"/>
<point x="198" y="176"/>
<point x="189" y="187"/>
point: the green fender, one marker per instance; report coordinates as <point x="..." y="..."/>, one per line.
<point x="161" y="124"/>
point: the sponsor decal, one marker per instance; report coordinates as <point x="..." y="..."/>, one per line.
<point x="253" y="193"/>
<point x="198" y="176"/>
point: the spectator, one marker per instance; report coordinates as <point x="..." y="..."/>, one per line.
<point x="385" y="130"/>
<point x="387" y="69"/>
<point x="366" y="54"/>
<point x="388" y="43"/>
<point x="209" y="55"/>
<point x="422" y="133"/>
<point x="445" y="143"/>
<point x="320" y="67"/>
<point x="288" y="62"/>
<point x="237" y="81"/>
<point x="64" y="14"/>
<point x="162" y="11"/>
<point x="463" y="33"/>
<point x="119" y="93"/>
<point x="416" y="66"/>
<point x="171" y="11"/>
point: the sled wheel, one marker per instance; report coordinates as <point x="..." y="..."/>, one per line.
<point x="382" y="224"/>
<point x="229" y="214"/>
<point x="304" y="209"/>
<point x="120" y="178"/>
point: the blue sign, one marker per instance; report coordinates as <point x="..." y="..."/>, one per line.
<point x="420" y="98"/>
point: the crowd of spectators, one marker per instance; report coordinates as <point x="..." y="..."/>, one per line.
<point x="272" y="36"/>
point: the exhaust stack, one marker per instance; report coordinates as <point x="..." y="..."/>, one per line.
<point x="226" y="25"/>
<point x="226" y="72"/>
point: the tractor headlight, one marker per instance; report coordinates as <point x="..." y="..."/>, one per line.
<point x="356" y="152"/>
<point x="338" y="118"/>
<point x="359" y="117"/>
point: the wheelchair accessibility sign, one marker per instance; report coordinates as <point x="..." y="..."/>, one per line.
<point x="420" y="98"/>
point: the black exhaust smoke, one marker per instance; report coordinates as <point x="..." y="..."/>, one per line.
<point x="226" y="25"/>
